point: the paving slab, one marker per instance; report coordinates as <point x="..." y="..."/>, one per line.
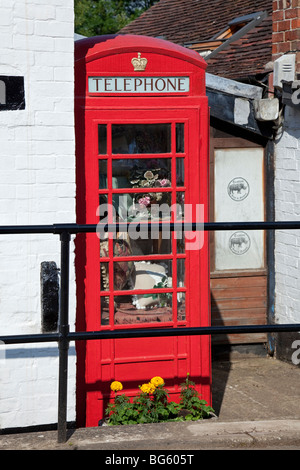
<point x="256" y="388"/>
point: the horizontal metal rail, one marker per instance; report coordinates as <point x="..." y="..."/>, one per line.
<point x="123" y="227"/>
<point x="150" y="332"/>
<point x="63" y="337"/>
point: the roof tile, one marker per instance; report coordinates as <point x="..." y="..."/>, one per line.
<point x="193" y="21"/>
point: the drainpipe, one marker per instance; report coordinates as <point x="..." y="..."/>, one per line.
<point x="270" y="216"/>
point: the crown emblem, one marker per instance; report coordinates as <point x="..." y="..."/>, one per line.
<point x="139" y="63"/>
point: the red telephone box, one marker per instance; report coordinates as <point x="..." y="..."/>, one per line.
<point x="142" y="155"/>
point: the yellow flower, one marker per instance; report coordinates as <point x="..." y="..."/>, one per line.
<point x="148" y="388"/>
<point x="156" y="381"/>
<point x="144" y="388"/>
<point x="116" y="386"/>
<point x="151" y="387"/>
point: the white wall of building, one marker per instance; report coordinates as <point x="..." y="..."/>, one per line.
<point x="287" y="207"/>
<point x="37" y="186"/>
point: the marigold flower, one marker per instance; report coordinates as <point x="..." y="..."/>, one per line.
<point x="116" y="386"/>
<point x="148" y="388"/>
<point x="151" y="388"/>
<point x="144" y="388"/>
<point x="156" y="381"/>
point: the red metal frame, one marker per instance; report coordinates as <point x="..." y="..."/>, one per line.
<point x="137" y="360"/>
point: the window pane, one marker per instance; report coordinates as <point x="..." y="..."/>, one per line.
<point x="124" y="273"/>
<point x="126" y="312"/>
<point x="180" y="272"/>
<point x="179" y="138"/>
<point x="180" y="242"/>
<point x="179" y="171"/>
<point x="102" y="139"/>
<point x="180" y="197"/>
<point x="104" y="253"/>
<point x="141" y="138"/>
<point x="102" y="174"/>
<point x="104" y="310"/>
<point x="103" y="208"/>
<point x="181" y="315"/>
<point x="239" y="195"/>
<point x="104" y="275"/>
<point x="153" y="274"/>
<point x="142" y="173"/>
<point x="144" y="275"/>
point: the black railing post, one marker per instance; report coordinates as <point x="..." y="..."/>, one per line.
<point x="63" y="342"/>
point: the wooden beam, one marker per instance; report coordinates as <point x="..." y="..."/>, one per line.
<point x="237" y="111"/>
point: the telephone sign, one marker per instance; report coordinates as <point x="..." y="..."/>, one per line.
<point x="138" y="84"/>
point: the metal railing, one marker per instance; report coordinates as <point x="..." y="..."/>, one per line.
<point x="63" y="337"/>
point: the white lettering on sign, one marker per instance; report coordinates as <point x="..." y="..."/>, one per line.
<point x="139" y="84"/>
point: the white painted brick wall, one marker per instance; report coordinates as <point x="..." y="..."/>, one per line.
<point x="287" y="206"/>
<point x="37" y="174"/>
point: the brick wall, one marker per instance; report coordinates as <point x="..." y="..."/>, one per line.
<point x="286" y="28"/>
<point x="37" y="175"/>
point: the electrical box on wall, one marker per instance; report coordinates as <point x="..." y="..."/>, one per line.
<point x="284" y="69"/>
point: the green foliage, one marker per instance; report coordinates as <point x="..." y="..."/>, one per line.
<point x="194" y="407"/>
<point x="96" y="17"/>
<point x="121" y="411"/>
<point x="155" y="407"/>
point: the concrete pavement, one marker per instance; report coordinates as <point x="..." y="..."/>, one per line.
<point x="257" y="404"/>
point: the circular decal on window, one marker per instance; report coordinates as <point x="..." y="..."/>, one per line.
<point x="239" y="243"/>
<point x="238" y="189"/>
